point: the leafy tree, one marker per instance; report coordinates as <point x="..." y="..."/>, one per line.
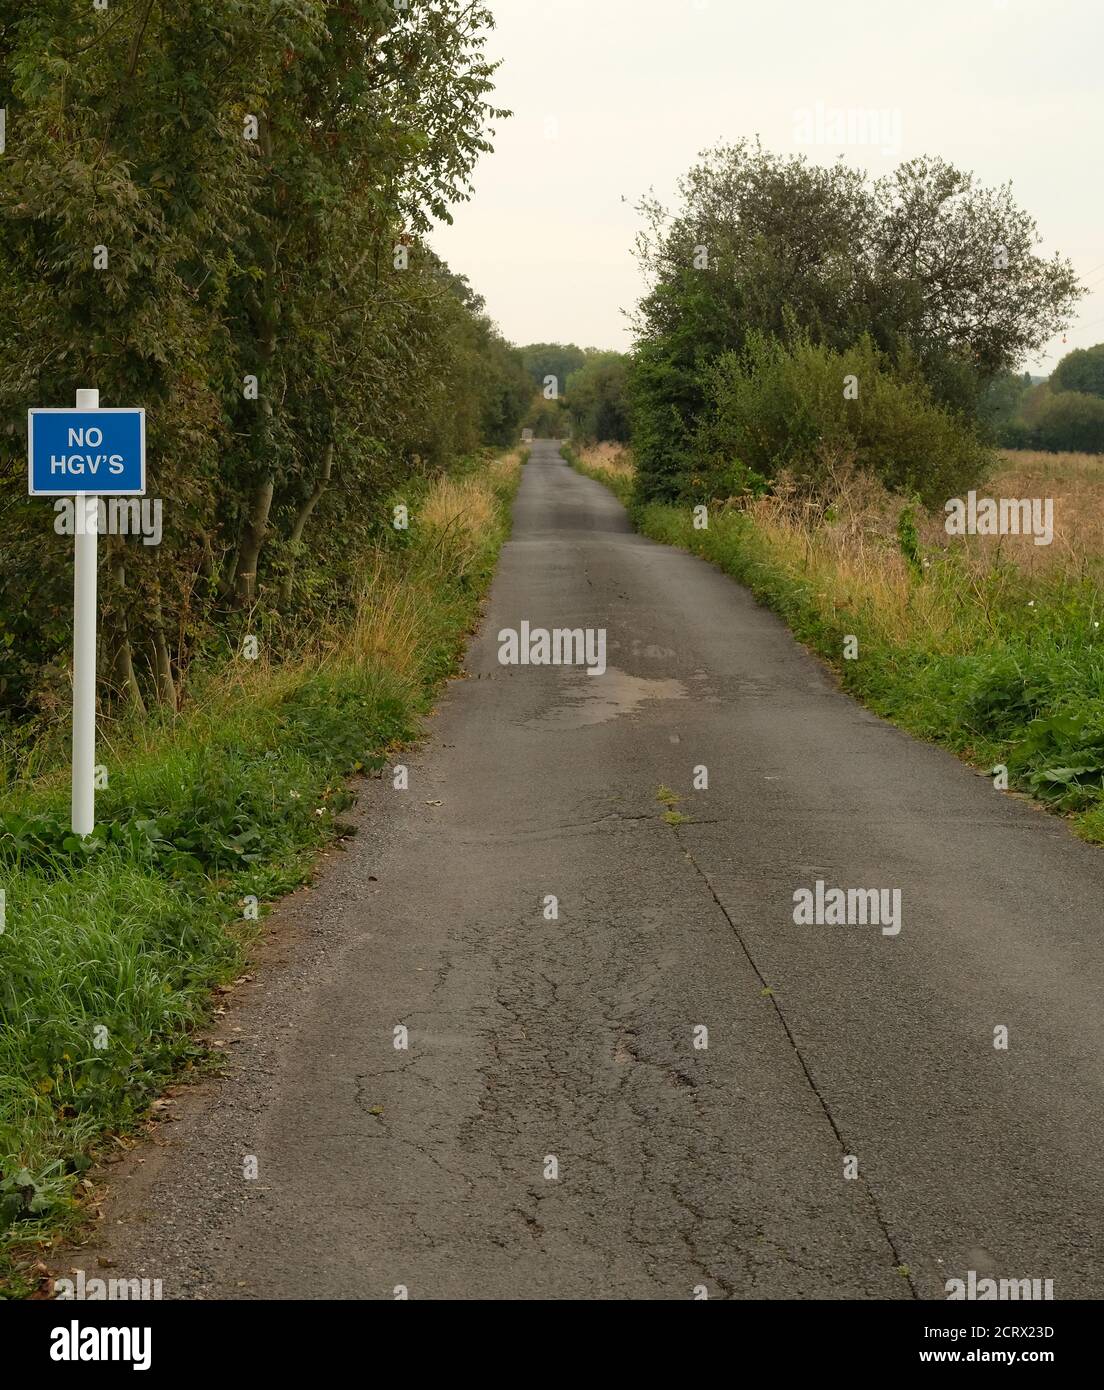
<point x="597" y="397"/>
<point x="1081" y="370"/>
<point x="123" y="192"/>
<point x="506" y="388"/>
<point x="377" y="118"/>
<point x="558" y="360"/>
<point x="197" y="194"/>
<point x="925" y="262"/>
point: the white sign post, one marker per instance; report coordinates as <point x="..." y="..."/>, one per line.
<point x="61" y="462"/>
<point x="85" y="541"/>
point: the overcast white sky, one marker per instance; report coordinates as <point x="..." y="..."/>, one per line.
<point x="612" y="97"/>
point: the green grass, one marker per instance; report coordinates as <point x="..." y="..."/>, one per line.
<point x="111" y="946"/>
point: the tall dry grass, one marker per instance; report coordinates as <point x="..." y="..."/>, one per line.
<point x="613" y="459"/>
<point x="845" y="543"/>
<point x="845" y="548"/>
<point x="465" y="510"/>
<point x="456" y="518"/>
<point x="848" y="545"/>
<point x="394" y="595"/>
<point x="1075" y="484"/>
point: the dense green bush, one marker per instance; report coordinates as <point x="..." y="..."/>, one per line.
<point x="217" y="210"/>
<point x="803" y="407"/>
<point x="1070" y="420"/>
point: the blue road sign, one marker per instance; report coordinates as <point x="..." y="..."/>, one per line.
<point x="101" y="452"/>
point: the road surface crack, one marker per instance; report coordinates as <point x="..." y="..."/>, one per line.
<point x="845" y="1148"/>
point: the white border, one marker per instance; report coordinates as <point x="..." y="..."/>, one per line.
<point x="138" y="410"/>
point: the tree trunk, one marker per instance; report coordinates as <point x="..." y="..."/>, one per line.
<point x="249" y="551"/>
<point x="126" y="682"/>
<point x="256" y="526"/>
<point x="166" y="687"/>
<point x="162" y="663"/>
<point x="207" y="566"/>
<point x="301" y="520"/>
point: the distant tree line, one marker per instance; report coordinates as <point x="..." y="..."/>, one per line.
<point x="1065" y="412"/>
<point x="578" y="391"/>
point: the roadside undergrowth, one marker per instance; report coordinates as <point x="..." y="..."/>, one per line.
<point x="991" y="646"/>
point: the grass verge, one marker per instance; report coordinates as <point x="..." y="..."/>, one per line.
<point x="111" y="947"/>
<point x="605" y="463"/>
<point x="991" y="646"/>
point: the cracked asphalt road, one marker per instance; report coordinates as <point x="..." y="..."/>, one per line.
<point x="678" y="1167"/>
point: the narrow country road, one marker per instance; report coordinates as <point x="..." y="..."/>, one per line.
<point x="572" y="1046"/>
